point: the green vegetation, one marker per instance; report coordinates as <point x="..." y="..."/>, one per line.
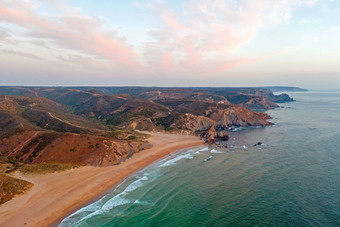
<point x="10" y="186"/>
<point x="43" y="168"/>
<point x="107" y="144"/>
<point x="118" y="154"/>
<point x="38" y="144"/>
<point x="128" y="115"/>
<point x="12" y="161"/>
<point x="73" y="150"/>
<point x="20" y="110"/>
<point x="126" y="134"/>
<point x="167" y="121"/>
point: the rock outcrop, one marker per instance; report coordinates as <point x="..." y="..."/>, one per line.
<point x="282" y="98"/>
<point x="212" y="136"/>
<point x="239" y="117"/>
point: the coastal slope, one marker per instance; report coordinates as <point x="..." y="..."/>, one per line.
<point x="56" y="195"/>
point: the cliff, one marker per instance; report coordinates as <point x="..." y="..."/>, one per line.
<point x="212" y="136"/>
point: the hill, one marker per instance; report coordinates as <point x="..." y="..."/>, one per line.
<point x="257" y="97"/>
<point x="35" y="130"/>
<point x="100" y="112"/>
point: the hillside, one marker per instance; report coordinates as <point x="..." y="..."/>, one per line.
<point x="41" y="113"/>
<point x="92" y="111"/>
<point x="258" y="98"/>
<point x="35" y="130"/>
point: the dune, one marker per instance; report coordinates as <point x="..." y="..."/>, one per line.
<point x="56" y="195"/>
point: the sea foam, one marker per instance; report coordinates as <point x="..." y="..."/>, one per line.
<point x="208" y="159"/>
<point x="105" y="204"/>
<point x="213" y="151"/>
<point x="201" y="150"/>
<point x="174" y="160"/>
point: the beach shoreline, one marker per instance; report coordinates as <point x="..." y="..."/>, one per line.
<point x="55" y="196"/>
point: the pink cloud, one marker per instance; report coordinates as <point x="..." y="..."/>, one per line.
<point x="208" y="32"/>
<point x="234" y="64"/>
<point x="6" y="37"/>
<point x="74" y="32"/>
<point x="202" y="39"/>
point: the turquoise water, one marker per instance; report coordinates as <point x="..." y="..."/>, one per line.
<point x="291" y="180"/>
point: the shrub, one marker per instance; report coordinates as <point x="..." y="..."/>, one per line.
<point x="73" y="150"/>
<point x="108" y="144"/>
<point x="43" y="168"/>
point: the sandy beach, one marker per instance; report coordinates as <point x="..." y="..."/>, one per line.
<point x="56" y="195"/>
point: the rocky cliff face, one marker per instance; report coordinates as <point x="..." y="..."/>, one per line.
<point x="193" y="123"/>
<point x="213" y="126"/>
<point x="212" y="136"/>
<point x="239" y="117"/>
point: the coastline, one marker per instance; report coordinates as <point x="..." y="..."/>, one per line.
<point x="55" y="196"/>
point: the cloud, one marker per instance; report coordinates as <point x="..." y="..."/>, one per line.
<point x="79" y="60"/>
<point x="6" y="37"/>
<point x="208" y="32"/>
<point x="69" y="29"/>
<point x="201" y="38"/>
<point x="22" y="54"/>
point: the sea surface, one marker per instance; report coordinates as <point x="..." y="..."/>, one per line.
<point x="293" y="179"/>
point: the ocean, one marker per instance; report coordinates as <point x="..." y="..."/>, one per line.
<point x="292" y="179"/>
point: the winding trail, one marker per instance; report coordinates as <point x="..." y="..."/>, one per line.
<point x="18" y="148"/>
<point x="66" y="122"/>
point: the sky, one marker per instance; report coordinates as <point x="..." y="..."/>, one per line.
<point x="170" y="43"/>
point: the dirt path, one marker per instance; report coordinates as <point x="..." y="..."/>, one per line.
<point x="18" y="148"/>
<point x="66" y="122"/>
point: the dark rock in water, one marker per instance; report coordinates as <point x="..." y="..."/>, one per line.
<point x="258" y="144"/>
<point x="222" y="135"/>
<point x="212" y="136"/>
<point x="209" y="135"/>
<point x="222" y="144"/>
